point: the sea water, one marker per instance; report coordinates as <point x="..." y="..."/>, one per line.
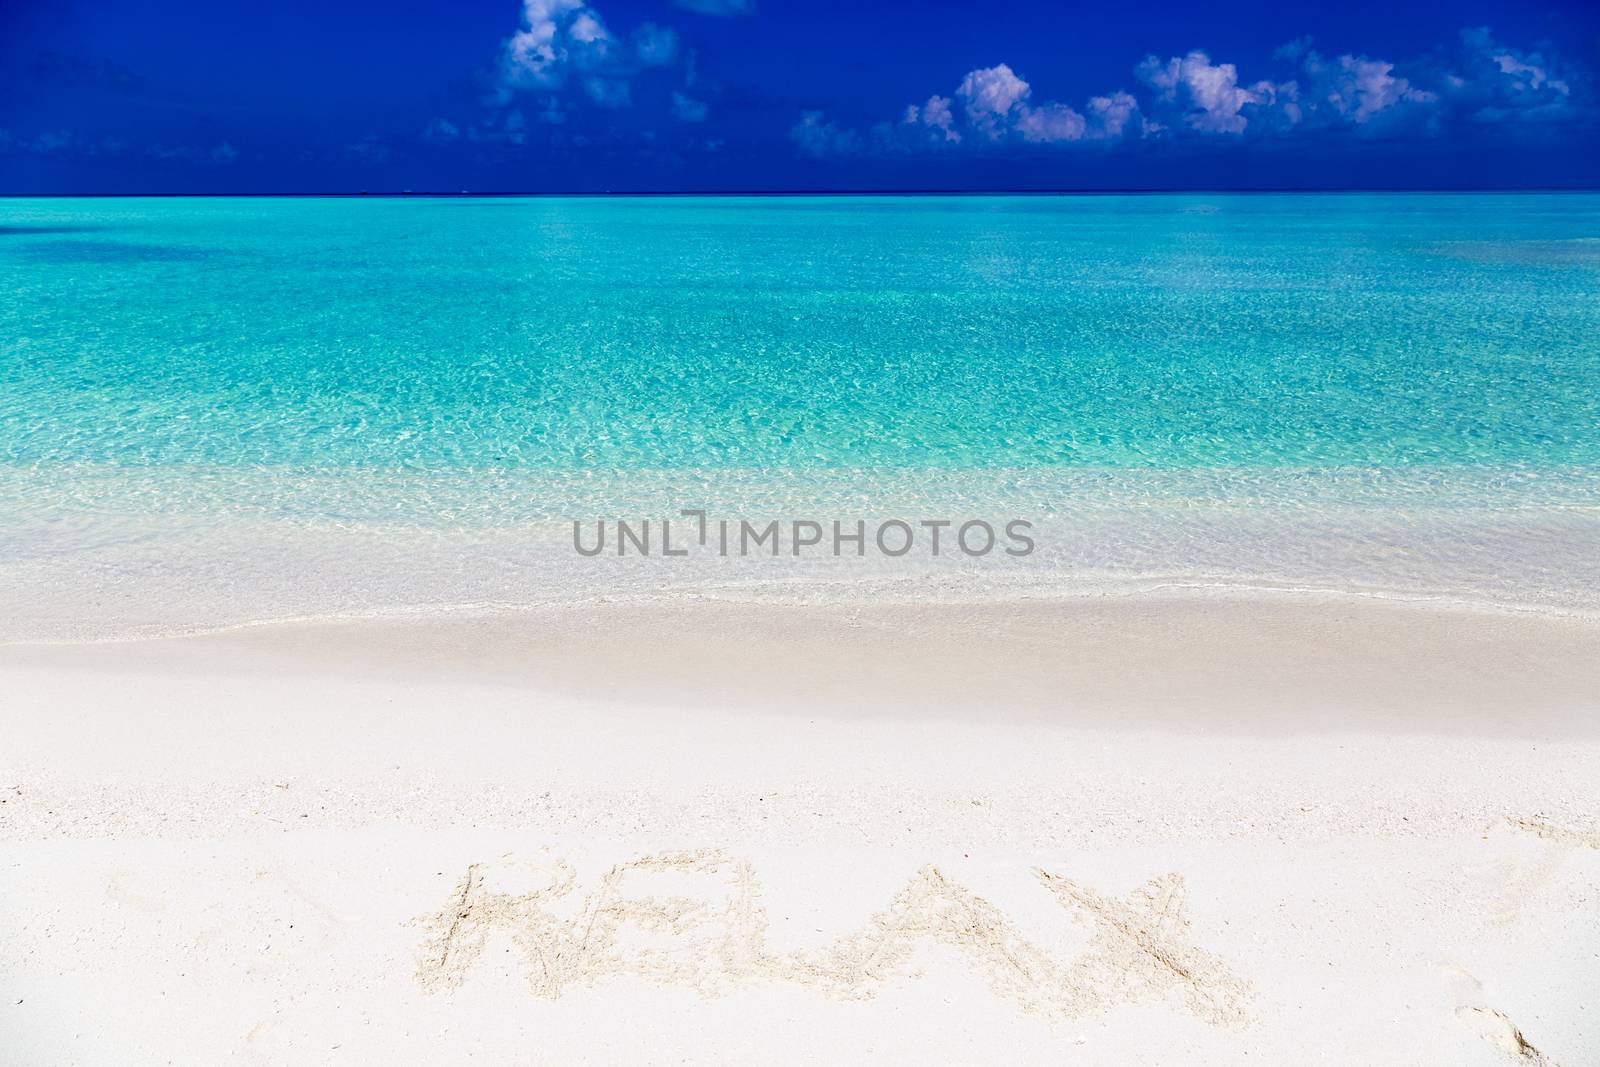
<point x="220" y="410"/>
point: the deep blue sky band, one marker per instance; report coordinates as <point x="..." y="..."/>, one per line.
<point x="561" y="95"/>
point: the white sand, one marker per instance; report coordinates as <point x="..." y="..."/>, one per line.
<point x="1154" y="831"/>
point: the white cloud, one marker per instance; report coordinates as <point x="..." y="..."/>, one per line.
<point x="989" y="98"/>
<point x="1346" y="90"/>
<point x="1051" y="122"/>
<point x="1493" y="83"/>
<point x="555" y="35"/>
<point x="1113" y="113"/>
<point x="565" y="48"/>
<point x="990" y="104"/>
<point x="1484" y="82"/>
<point x="587" y="29"/>
<point x="997" y="103"/>
<point x="1192" y="95"/>
<point x="935" y="114"/>
<point x="1527" y="72"/>
<point x="1359" y="88"/>
<point x="1216" y="101"/>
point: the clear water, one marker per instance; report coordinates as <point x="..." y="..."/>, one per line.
<point x="964" y="332"/>
<point x="212" y="410"/>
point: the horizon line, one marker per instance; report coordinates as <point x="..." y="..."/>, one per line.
<point x="563" y="193"/>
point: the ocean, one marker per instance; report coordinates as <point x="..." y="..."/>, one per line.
<point x="216" y="411"/>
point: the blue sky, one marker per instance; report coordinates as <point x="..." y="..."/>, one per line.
<point x="686" y="95"/>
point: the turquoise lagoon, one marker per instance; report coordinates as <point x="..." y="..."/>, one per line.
<point x="214" y="410"/>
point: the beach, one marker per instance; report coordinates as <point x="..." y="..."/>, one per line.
<point x="1157" y="830"/>
<point x="863" y="629"/>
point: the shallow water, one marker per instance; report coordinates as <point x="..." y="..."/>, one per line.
<point x="215" y="410"/>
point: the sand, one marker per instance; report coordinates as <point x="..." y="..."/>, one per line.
<point x="1155" y="830"/>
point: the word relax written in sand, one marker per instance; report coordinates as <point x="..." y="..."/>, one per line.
<point x="715" y="942"/>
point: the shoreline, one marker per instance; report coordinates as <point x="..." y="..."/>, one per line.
<point x="856" y="592"/>
<point x="107" y="552"/>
